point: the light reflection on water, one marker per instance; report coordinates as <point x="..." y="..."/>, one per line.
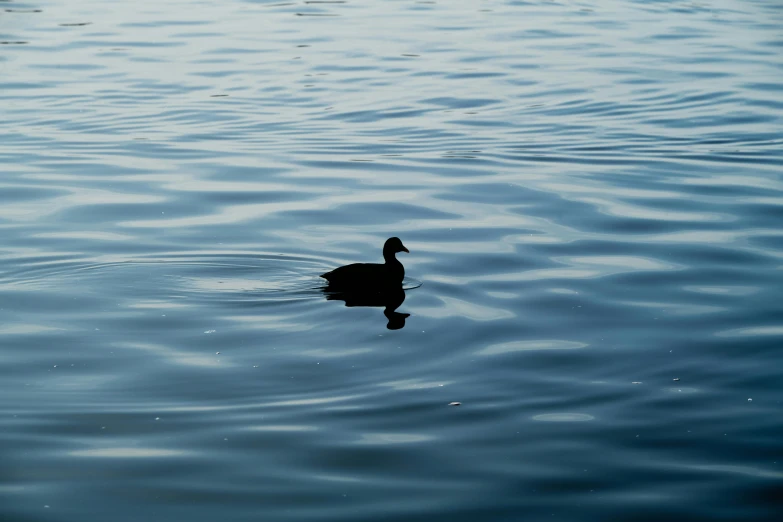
<point x="592" y="198"/>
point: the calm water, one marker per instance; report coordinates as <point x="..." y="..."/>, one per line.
<point x="592" y="194"/>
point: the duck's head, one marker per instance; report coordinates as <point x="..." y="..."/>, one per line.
<point x="392" y="246"/>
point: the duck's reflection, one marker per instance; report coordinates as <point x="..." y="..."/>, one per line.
<point x="390" y="299"/>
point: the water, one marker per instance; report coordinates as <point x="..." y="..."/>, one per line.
<point x="591" y="193"/>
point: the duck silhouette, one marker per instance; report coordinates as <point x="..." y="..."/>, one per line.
<point x="370" y="277"/>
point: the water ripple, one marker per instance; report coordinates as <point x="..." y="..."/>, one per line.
<point x="590" y="192"/>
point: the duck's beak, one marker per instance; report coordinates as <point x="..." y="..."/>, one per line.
<point x="403" y="249"/>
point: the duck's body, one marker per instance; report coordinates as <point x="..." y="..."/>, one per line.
<point x="362" y="275"/>
<point x="369" y="277"/>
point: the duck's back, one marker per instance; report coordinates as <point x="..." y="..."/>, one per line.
<point x="361" y="276"/>
<point x="356" y="272"/>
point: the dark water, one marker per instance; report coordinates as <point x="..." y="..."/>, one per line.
<point x="591" y="192"/>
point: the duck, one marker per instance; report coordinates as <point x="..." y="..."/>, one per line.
<point x="369" y="277"/>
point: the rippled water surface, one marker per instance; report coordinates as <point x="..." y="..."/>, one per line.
<point x="593" y="200"/>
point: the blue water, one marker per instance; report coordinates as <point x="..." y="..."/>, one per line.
<point x="591" y="192"/>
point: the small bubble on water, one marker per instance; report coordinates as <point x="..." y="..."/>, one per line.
<point x="217" y="353"/>
<point x="750" y="400"/>
<point x="157" y="418"/>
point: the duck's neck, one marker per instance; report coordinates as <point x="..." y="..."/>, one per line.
<point x="394" y="265"/>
